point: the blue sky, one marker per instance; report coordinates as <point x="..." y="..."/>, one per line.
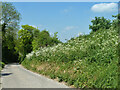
<point x="67" y="18"/>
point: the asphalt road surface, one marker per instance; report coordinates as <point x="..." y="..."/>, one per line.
<point x="15" y="76"/>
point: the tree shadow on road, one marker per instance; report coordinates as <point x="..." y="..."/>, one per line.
<point x="5" y="74"/>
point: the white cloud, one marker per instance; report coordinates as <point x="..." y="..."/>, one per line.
<point x="70" y="28"/>
<point x="105" y="7"/>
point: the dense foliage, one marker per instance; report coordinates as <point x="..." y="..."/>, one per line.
<point x="24" y="42"/>
<point x="116" y="21"/>
<point x="15" y="45"/>
<point x="43" y="39"/>
<point x="30" y="38"/>
<point x="10" y="20"/>
<point x="100" y="22"/>
<point x="88" y="61"/>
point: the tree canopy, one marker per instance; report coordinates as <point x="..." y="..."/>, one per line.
<point x="100" y="22"/>
<point x="43" y="39"/>
<point x="9" y="21"/>
<point x="24" y="43"/>
<point x="10" y="17"/>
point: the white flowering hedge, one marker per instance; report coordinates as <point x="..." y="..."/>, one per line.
<point x="90" y="60"/>
<point x="96" y="44"/>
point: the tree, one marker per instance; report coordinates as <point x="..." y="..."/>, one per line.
<point x="9" y="22"/>
<point x="55" y="39"/>
<point x="43" y="39"/>
<point x="24" y="43"/>
<point x="36" y="33"/>
<point x="116" y="21"/>
<point x="10" y="17"/>
<point x="100" y="22"/>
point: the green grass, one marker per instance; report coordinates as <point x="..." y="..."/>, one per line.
<point x="88" y="61"/>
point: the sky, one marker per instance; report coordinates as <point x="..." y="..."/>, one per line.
<point x="69" y="19"/>
<point x="60" y="0"/>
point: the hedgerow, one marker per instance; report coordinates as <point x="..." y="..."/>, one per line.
<point x="88" y="61"/>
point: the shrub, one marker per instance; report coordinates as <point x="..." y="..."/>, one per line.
<point x="88" y="61"/>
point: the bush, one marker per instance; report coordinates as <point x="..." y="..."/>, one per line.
<point x="88" y="61"/>
<point x="2" y="64"/>
<point x="100" y="22"/>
